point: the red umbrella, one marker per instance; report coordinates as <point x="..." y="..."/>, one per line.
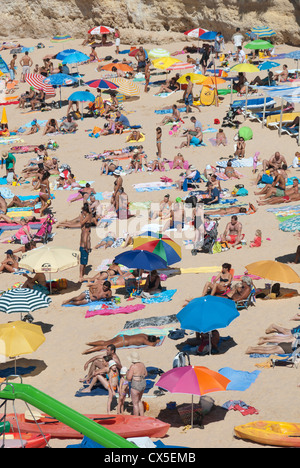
<point x="181" y="66"/>
<point x="133" y="52"/>
<point x="37" y="81"/>
<point x="101" y="30"/>
<point x="102" y="84"/>
<point x="197" y="32"/>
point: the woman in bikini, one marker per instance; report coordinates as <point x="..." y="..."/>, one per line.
<point x="44" y="194"/>
<point x="107" y="167"/>
<point x="158" y="141"/>
<point x="117" y="276"/>
<point x="123" y="341"/>
<point x="221" y="282"/>
<point x="240" y="148"/>
<point x="10" y="264"/>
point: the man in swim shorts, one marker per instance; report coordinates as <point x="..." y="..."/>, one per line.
<point x="233" y="232"/>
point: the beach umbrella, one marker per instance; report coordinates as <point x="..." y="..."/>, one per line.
<point x="207" y="313"/>
<point x="181" y="66"/>
<point x="4" y="116"/>
<point x="196" y="78"/>
<point x="17" y="338"/>
<point x="23" y="301"/>
<point x="101" y="30"/>
<point x="3" y="66"/>
<point x="213" y="81"/>
<point x="165" y="62"/>
<point x="192" y="380"/>
<point x="82" y="96"/>
<point x="119" y="66"/>
<point x="49" y="259"/>
<point x="101" y="84"/>
<point x="263" y="31"/>
<point x="37" y="81"/>
<point x="296" y="56"/>
<point x="126" y="87"/>
<point x="267" y="65"/>
<point x="61" y="55"/>
<point x="246" y="133"/>
<point x="273" y="271"/>
<point x="197" y="32"/>
<point x="159" y="244"/>
<point x="141" y="259"/>
<point x="258" y="44"/>
<point x="60" y="79"/>
<point x="75" y="58"/>
<point x="158" y="53"/>
<point x="208" y="36"/>
<point x="62" y="38"/>
<point x="245" y="68"/>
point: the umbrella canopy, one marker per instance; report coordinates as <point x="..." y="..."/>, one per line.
<point x="258" y="44"/>
<point x="3" y="66"/>
<point x="193" y="380"/>
<point x="60" y="79"/>
<point x="140" y="259"/>
<point x="197" y="32"/>
<point x="101" y="84"/>
<point x="245" y="68"/>
<point x="61" y="55"/>
<point x="23" y="300"/>
<point x="195" y="78"/>
<point x="208" y="36"/>
<point x="162" y="245"/>
<point x="181" y="66"/>
<point x="158" y="53"/>
<point x="37" y="81"/>
<point x="267" y="65"/>
<point x="101" y="30"/>
<point x="213" y="81"/>
<point x="274" y="271"/>
<point x="19" y="337"/>
<point x="207" y="313"/>
<point x="82" y="96"/>
<point x="62" y="38"/>
<point x="119" y="66"/>
<point x="51" y="259"/>
<point x="126" y="87"/>
<point x="263" y="31"/>
<point x="75" y="57"/>
<point x="294" y="55"/>
<point x="165" y="62"/>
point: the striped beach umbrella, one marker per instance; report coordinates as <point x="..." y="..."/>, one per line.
<point x="62" y="38"/>
<point x="101" y="30"/>
<point x="181" y="66"/>
<point x="126" y="87"/>
<point x="158" y="53"/>
<point x="37" y="81"/>
<point x="23" y="301"/>
<point x="101" y="84"/>
<point x="263" y="31"/>
<point x="197" y="32"/>
<point x="159" y="244"/>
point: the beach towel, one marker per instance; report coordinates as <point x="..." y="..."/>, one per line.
<point x="152" y="186"/>
<point x="245" y="162"/>
<point x="159" y="343"/>
<point x="99" y="390"/>
<point x="164" y="296"/>
<point x="151" y="321"/>
<point x="240" y="380"/>
<point x="6" y="193"/>
<point x="114" y="311"/>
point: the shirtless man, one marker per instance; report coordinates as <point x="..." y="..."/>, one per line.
<point x="276" y="161"/>
<point x="141" y="59"/>
<point x="188" y="96"/>
<point x="84" y="193"/>
<point x="282" y="76"/>
<point x="94" y="293"/>
<point x="147" y="76"/>
<point x="12" y="67"/>
<point x="175" y="117"/>
<point x="3" y="205"/>
<point x="241" y="291"/>
<point x="38" y="278"/>
<point x="25" y="63"/>
<point x="233" y="232"/>
<point x="276" y="189"/>
<point x="291" y="194"/>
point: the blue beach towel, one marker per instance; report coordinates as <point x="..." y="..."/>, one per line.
<point x="164" y="296"/>
<point x="240" y="380"/>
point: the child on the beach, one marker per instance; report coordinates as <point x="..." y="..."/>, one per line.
<point x="257" y="239"/>
<point x="123" y="390"/>
<point x="255" y="161"/>
<point x="113" y="381"/>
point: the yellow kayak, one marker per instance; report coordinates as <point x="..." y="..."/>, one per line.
<point x="281" y="434"/>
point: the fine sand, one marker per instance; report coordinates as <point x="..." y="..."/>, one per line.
<point x="59" y="361"/>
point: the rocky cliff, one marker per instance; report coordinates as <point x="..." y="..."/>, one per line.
<point x="148" y="20"/>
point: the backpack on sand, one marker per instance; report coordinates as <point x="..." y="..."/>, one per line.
<point x="180" y="359"/>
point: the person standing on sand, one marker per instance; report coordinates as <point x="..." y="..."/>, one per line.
<point x="188" y="96"/>
<point x="12" y="68"/>
<point x="25" y="63"/>
<point x="147" y="76"/>
<point x="117" y="37"/>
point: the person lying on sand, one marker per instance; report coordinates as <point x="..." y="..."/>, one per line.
<point x="122" y="341"/>
<point x="94" y="293"/>
<point x="234" y="210"/>
<point x="283" y="342"/>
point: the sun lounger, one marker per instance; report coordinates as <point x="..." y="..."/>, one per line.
<point x="257" y="103"/>
<point x="259" y="116"/>
<point x="290" y="131"/>
<point x="274" y="120"/>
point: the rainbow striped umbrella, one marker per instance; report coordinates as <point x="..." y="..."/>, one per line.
<point x="126" y="87"/>
<point x="62" y="38"/>
<point x="37" y="81"/>
<point x="158" y="53"/>
<point x="159" y="244"/>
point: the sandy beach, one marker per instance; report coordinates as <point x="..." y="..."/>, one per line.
<point x="59" y="361"/>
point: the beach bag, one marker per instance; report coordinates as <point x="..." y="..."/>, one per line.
<point x="180" y="360"/>
<point x="266" y="179"/>
<point x="176" y="334"/>
<point x="107" y="58"/>
<point x="217" y="247"/>
<point x="242" y="192"/>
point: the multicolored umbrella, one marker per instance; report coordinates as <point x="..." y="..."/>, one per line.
<point x="101" y="30"/>
<point x="263" y="31"/>
<point x="126" y="87"/>
<point x="159" y="244"/>
<point x="158" y="53"/>
<point x="101" y="84"/>
<point x="37" y="81"/>
<point x="197" y="32"/>
<point x="62" y="38"/>
<point x="181" y="66"/>
<point x="192" y="380"/>
<point x="208" y="36"/>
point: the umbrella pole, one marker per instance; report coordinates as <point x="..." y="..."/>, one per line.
<point x="209" y="342"/>
<point x="264" y="112"/>
<point x="216" y="87"/>
<point x="231" y="91"/>
<point x="192" y="417"/>
<point x="281" y="112"/>
<point x="246" y="103"/>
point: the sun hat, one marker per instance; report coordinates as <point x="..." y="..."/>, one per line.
<point x="117" y="172"/>
<point x="4" y="154"/>
<point x="111" y="363"/>
<point x="123" y="371"/>
<point x="134" y="357"/>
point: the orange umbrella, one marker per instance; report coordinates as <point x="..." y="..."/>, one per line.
<point x="119" y="66"/>
<point x="213" y="81"/>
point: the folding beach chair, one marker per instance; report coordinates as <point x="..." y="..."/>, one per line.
<point x="249" y="301"/>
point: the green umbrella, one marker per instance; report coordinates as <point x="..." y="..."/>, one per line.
<point x="246" y="133"/>
<point x="259" y="44"/>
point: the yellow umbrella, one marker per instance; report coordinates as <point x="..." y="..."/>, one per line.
<point x="195" y="78"/>
<point x="20" y="337"/>
<point x="274" y="271"/>
<point x="245" y="68"/>
<point x="126" y="87"/>
<point x="164" y="62"/>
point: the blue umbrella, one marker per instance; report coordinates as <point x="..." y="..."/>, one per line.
<point x="208" y="36"/>
<point x="60" y="79"/>
<point x="75" y="57"/>
<point x="61" y="55"/>
<point x="263" y="31"/>
<point x="267" y="65"/>
<point x="207" y="313"/>
<point x="3" y="66"/>
<point x="140" y="259"/>
<point x="82" y="96"/>
<point x="296" y="56"/>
